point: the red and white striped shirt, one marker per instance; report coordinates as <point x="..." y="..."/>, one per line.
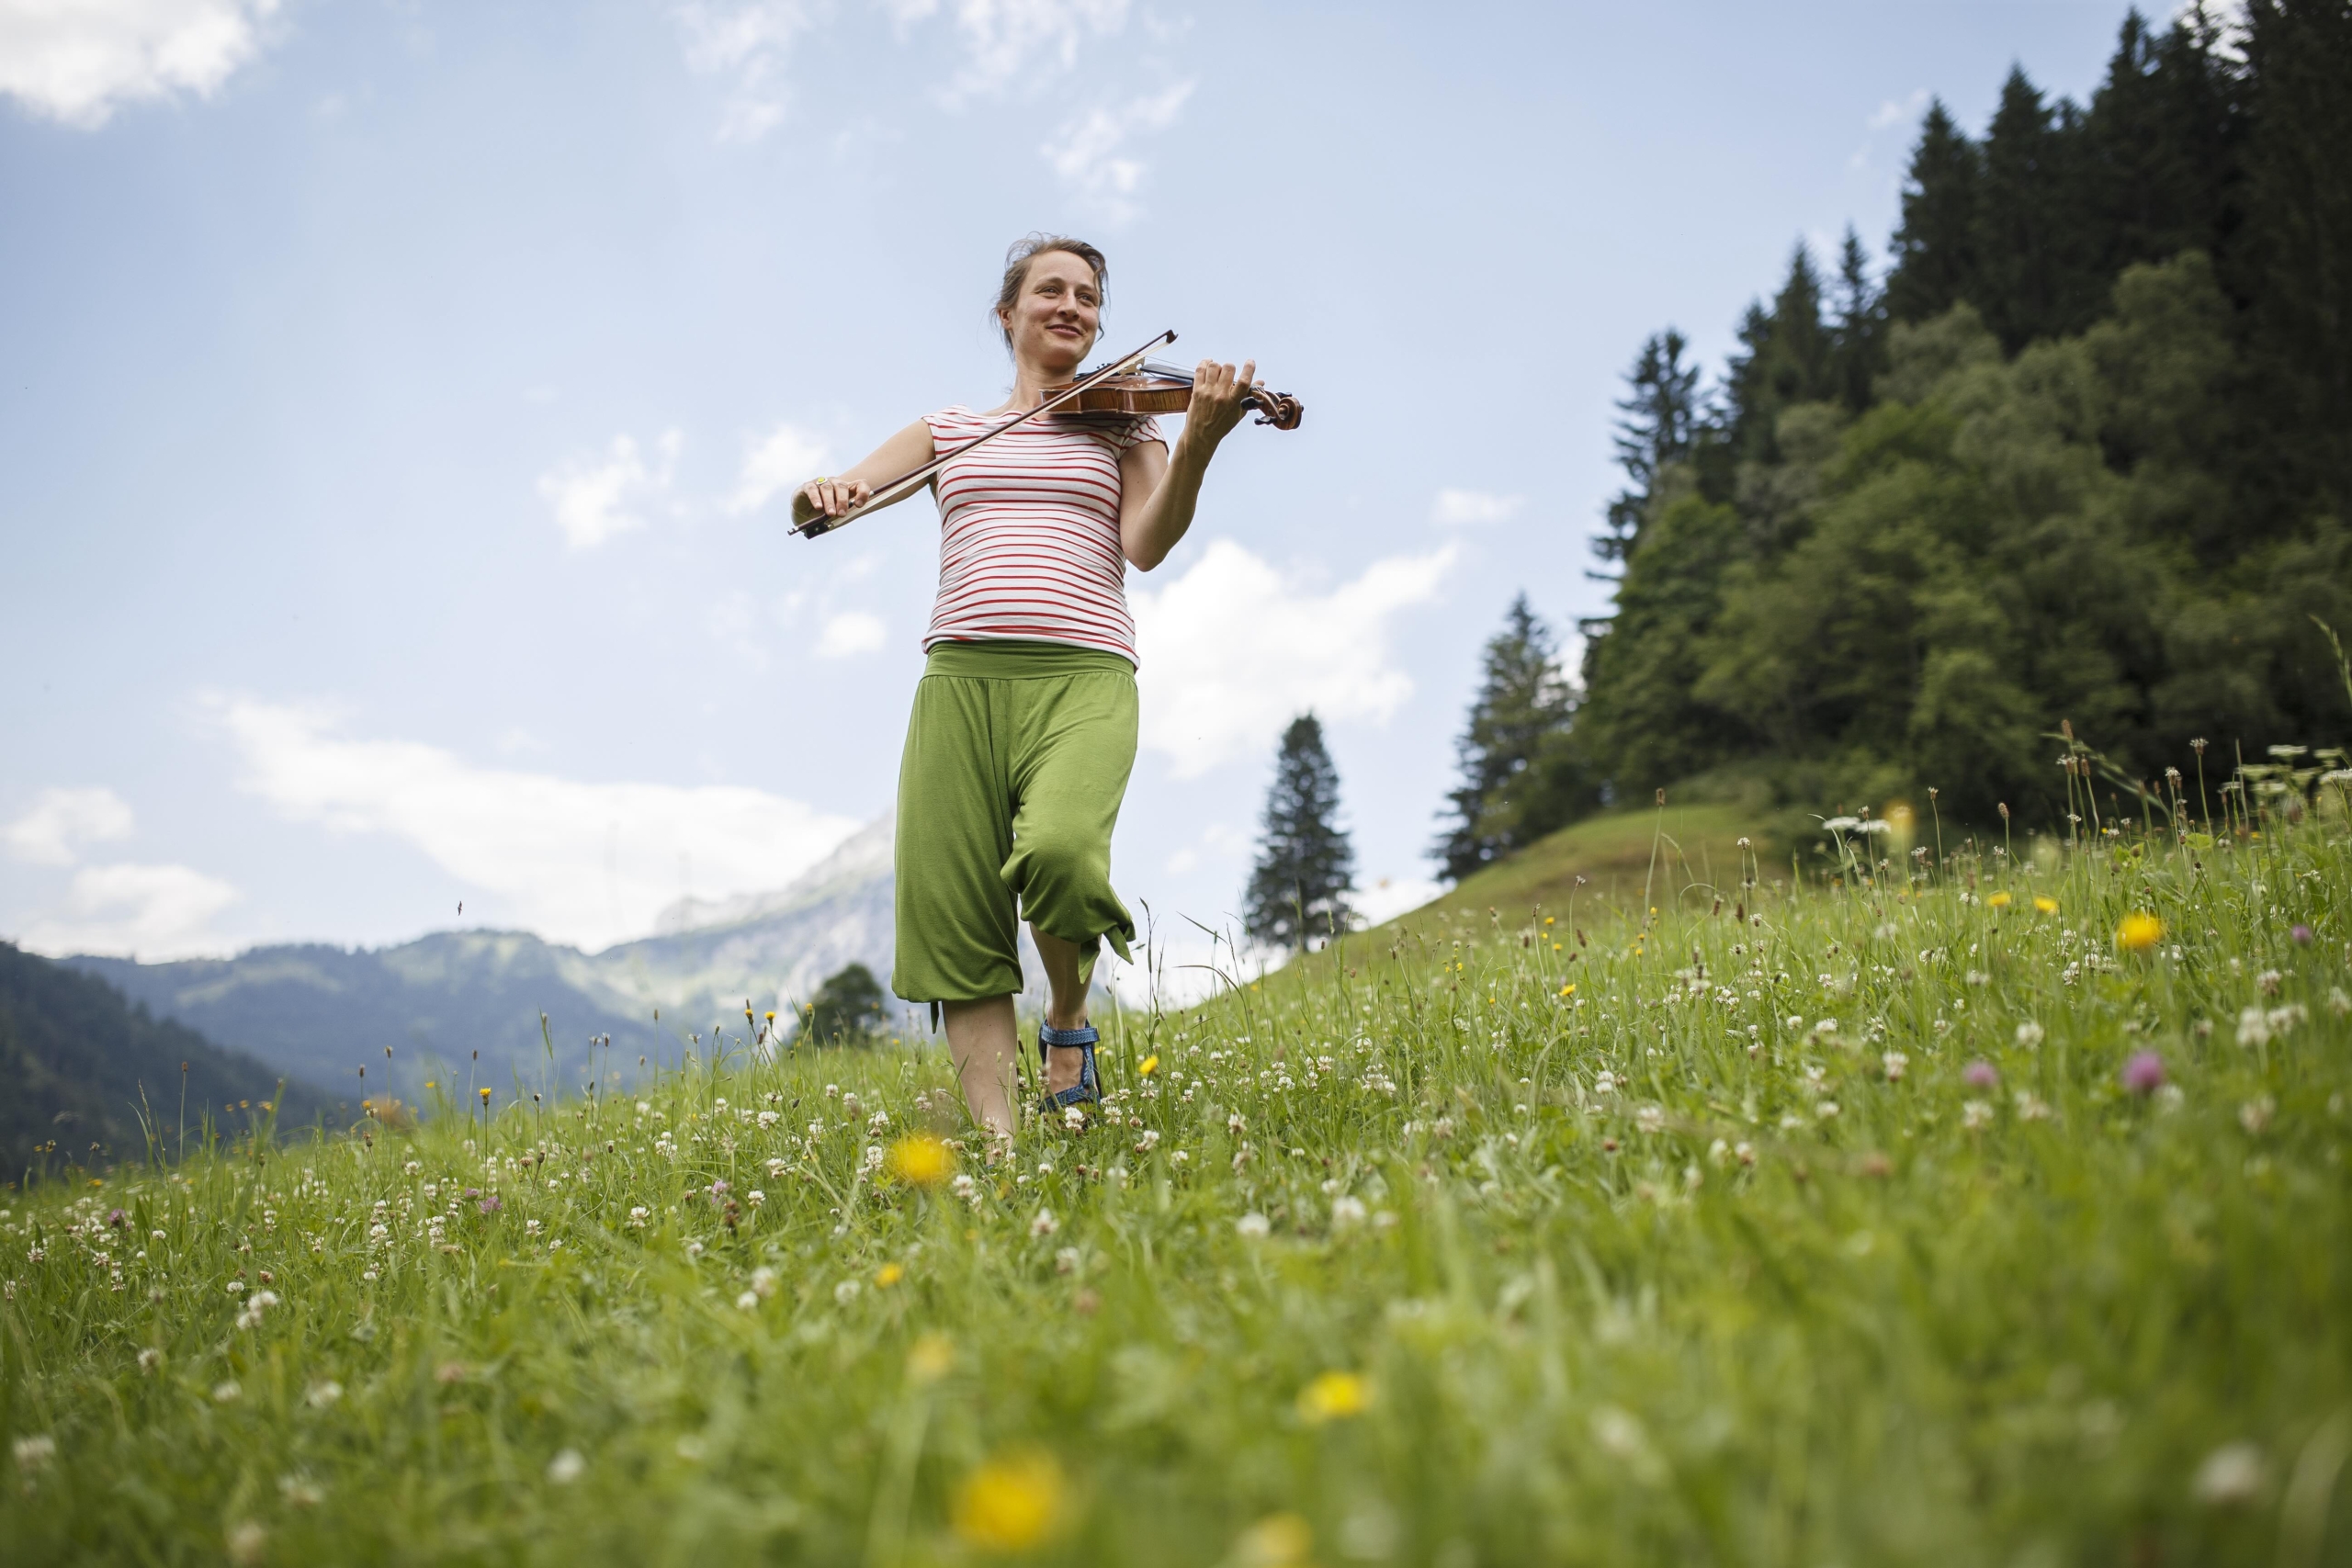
<point x="1029" y="530"/>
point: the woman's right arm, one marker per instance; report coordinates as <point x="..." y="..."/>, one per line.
<point x="831" y="496"/>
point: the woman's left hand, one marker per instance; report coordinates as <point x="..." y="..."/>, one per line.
<point x="1218" y="391"/>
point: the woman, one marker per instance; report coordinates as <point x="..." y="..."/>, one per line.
<point x="1024" y="729"/>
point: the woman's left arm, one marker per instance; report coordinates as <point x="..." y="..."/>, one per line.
<point x="1158" y="488"/>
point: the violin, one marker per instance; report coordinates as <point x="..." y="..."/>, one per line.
<point x="1153" y="385"/>
<point x="1134" y="385"/>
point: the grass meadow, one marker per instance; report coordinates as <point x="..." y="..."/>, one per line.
<point x="1941" y="1204"/>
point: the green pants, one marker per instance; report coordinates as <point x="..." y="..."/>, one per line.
<point x="1017" y="758"/>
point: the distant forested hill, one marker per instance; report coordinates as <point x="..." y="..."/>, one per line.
<point x="468" y="1004"/>
<point x="77" y="1061"/>
<point x="2085" y="454"/>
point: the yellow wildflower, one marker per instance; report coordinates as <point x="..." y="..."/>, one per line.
<point x="1150" y="1065"/>
<point x="1278" y="1540"/>
<point x="931" y="1359"/>
<point x="1009" y="1504"/>
<point x="889" y="1275"/>
<point x="1570" y="990"/>
<point x="1333" y="1396"/>
<point x="2048" y="906"/>
<point x="2140" y="931"/>
<point x="1997" y="901"/>
<point x="921" y="1160"/>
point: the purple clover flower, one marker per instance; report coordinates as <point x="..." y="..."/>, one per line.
<point x="491" y="1204"/>
<point x="1980" y="1074"/>
<point x="2301" y="933"/>
<point x="2145" y="1073"/>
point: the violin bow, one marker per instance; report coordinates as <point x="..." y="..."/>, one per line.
<point x="905" y="484"/>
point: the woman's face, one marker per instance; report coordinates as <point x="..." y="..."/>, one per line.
<point x="1053" y="322"/>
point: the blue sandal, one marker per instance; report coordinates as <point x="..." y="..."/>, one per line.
<point x="1088" y="1088"/>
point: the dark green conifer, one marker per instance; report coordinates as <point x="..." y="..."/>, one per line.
<point x="1520" y="775"/>
<point x="1658" y="419"/>
<point x="1935" y="246"/>
<point x="1298" y="890"/>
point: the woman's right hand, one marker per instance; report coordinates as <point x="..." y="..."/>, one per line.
<point x="829" y="498"/>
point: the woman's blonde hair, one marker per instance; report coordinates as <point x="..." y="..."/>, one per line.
<point x="1016" y="271"/>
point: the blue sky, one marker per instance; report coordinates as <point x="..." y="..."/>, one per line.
<point x="397" y="398"/>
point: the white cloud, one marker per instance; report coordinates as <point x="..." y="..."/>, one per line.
<point x="77" y="61"/>
<point x="785" y="457"/>
<point x="1007" y="39"/>
<point x="1231" y="652"/>
<point x="851" y="632"/>
<point x="1899" y="111"/>
<point x="589" y="864"/>
<point x="60" y="819"/>
<point x="594" y="499"/>
<point x="1460" y="508"/>
<point x="1086" y="154"/>
<point x="1390" y="897"/>
<point x="151" y="911"/>
<point x="751" y="41"/>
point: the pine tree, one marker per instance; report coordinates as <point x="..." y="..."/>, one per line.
<point x="1659" y="419"/>
<point x="1858" y="339"/>
<point x="2018" y="217"/>
<point x="1305" y="866"/>
<point x="2298" y="255"/>
<point x="1787" y="359"/>
<point x="1935" y="247"/>
<point x="1520" y="775"/>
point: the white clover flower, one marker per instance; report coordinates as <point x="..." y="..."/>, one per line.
<point x="1975" y="1114"/>
<point x="1895" y="1062"/>
<point x="2030" y="1034"/>
<point x="693" y="1249"/>
<point x="1827" y="1026"/>
<point x="749" y="1300"/>
<point x="764" y="1282"/>
<point x="2253" y="1027"/>
<point x="35" y="1452"/>
<point x="1065" y="1261"/>
<point x="226" y="1393"/>
<point x="1044" y="1224"/>
<point x="1253" y="1225"/>
<point x="1825" y="1109"/>
<point x="1179" y="1157"/>
<point x="846" y="1292"/>
<point x="322" y="1396"/>
<point x="1649" y="1119"/>
<point x="638" y="1215"/>
<point x="755" y="1197"/>
<point x="149" y="1358"/>
<point x="567" y="1467"/>
<point x="2231" y="1475"/>
<point x="1347" y="1211"/>
<point x="1795" y="1021"/>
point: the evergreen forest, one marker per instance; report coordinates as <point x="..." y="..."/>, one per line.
<point x="2080" y="452"/>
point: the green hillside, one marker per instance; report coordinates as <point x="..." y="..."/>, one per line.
<point x="1994" y="1217"/>
<point x="79" y="1063"/>
<point x="1690" y="851"/>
